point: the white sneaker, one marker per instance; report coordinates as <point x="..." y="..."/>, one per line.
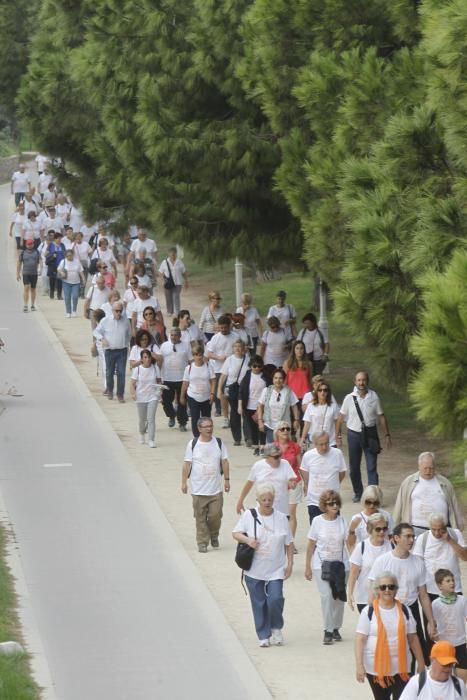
<point x="67" y="315"/>
<point x="277" y="637"/>
<point x="74" y="314"/>
<point x="264" y="642"/>
<point x="151" y="443"/>
<point x="141" y="440"/>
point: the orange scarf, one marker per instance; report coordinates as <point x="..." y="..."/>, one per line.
<point x="382" y="655"/>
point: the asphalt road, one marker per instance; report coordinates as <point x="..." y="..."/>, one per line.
<point x="116" y="609"/>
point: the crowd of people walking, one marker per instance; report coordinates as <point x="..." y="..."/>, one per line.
<point x="266" y="380"/>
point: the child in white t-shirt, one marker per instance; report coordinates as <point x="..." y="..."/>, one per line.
<point x="450" y="614"/>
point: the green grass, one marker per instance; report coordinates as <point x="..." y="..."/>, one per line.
<point x="15" y="678"/>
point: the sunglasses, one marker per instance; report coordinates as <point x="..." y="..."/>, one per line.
<point x="284" y="429"/>
<point x="381" y="529"/>
<point x="372" y="503"/>
<point x="275" y="456"/>
<point x="388" y="587"/>
<point x="325" y="391"/>
<point x="332" y="503"/>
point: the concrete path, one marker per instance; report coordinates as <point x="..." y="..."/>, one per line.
<point x="303" y="668"/>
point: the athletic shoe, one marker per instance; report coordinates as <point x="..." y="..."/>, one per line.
<point x="237" y="444"/>
<point x="121" y="399"/>
<point x="336" y="636"/>
<point x="215" y="542"/>
<point x="217" y="415"/>
<point x="33" y="308"/>
<point x="261" y="451"/>
<point x="226" y="423"/>
<point x="182" y="428"/>
<point x="25" y="309"/>
<point x="67" y="315"/>
<point x="328" y="638"/>
<point x="203" y="548"/>
<point x="141" y="439"/>
<point x="110" y="396"/>
<point x="277" y="637"/>
<point x="151" y="443"/>
<point x="356" y="499"/>
<point x="171" y="422"/>
<point x="256" y="452"/>
<point x="74" y="314"/>
<point x="249" y="443"/>
<point x="264" y="642"/>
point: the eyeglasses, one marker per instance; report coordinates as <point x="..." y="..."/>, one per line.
<point x="286" y="429"/>
<point x="118" y="311"/>
<point x="381" y="529"/>
<point x="275" y="456"/>
<point x="388" y="587"/>
<point x="332" y="503"/>
<point x="371" y="503"/>
<point x="206" y="425"/>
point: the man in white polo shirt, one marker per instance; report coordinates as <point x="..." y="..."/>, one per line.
<point x="175" y="356"/>
<point x="322" y="468"/>
<point x="361" y="410"/>
<point x="20" y="183"/>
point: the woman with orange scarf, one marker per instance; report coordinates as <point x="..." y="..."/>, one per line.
<point x="385" y="631"/>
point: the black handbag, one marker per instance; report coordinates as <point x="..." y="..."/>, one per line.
<point x="244" y="554"/>
<point x="169" y="281"/>
<point x="233" y="390"/>
<point x="369" y="437"/>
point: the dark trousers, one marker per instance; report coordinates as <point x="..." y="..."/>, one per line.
<point x="168" y="395"/>
<point x="355" y="458"/>
<point x="393" y="692"/>
<point x="415" y="610"/>
<point x="313" y="511"/>
<point x="55" y="284"/>
<point x="251" y="430"/>
<point x="235" y="421"/>
<point x="198" y="409"/>
<point x="115" y="363"/>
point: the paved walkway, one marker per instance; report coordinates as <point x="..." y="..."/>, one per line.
<point x="303" y="667"/>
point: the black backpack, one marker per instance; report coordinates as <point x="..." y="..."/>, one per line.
<point x="422" y="681"/>
<point x="219" y="442"/>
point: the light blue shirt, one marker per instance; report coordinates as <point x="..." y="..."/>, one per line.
<point x="115" y="331"/>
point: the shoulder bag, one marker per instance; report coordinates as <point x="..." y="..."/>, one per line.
<point x="369" y="436"/>
<point x="244" y="554"/>
<point x="169" y="281"/>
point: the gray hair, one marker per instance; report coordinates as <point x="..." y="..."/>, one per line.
<point x="384" y="574"/>
<point x="272" y="450"/>
<point x="440" y="517"/>
<point x="319" y="434"/>
<point x="375" y="518"/>
<point x="373" y="492"/>
<point x="203" y="419"/>
<point x="118" y="304"/>
<point x="281" y="424"/>
<point x="423" y="455"/>
<point x="265" y="487"/>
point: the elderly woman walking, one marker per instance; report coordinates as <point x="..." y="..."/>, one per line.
<point x="269" y="535"/>
<point x="385" y="631"/>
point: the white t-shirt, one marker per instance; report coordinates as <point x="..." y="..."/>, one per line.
<point x="276" y="351"/>
<point x="277" y="400"/>
<point x="410" y="574"/>
<point x="149" y="246"/>
<point x="31" y="229"/>
<point x="369" y="628"/>
<point x="251" y="318"/>
<point x="322" y="417"/>
<point x="43" y="182"/>
<point x="146" y="380"/>
<point x="205" y="459"/>
<point x="369" y="405"/>
<point x="278" y="476"/>
<point x="312" y="341"/>
<point x="174" y="363"/>
<point x="135" y="352"/>
<point x="20" y="182"/>
<point x="284" y="314"/>
<point x="257" y="385"/>
<point x="323" y="472"/>
<point x="427" y="497"/>
<point x="365" y="562"/>
<point x="83" y="250"/>
<point x="105" y="255"/>
<point x="198" y="378"/>
<point x="432" y="690"/>
<point x="360" y="530"/>
<point x="76" y="218"/>
<point x="18" y="220"/>
<point x="192" y="334"/>
<point x="234" y="368"/>
<point x="68" y="243"/>
<point x="221" y="345"/>
<point x="129" y="298"/>
<point x="140" y="304"/>
<point x="450" y="619"/>
<point x="87" y="231"/>
<point x="273" y="534"/>
<point x="73" y="268"/>
<point x="329" y="536"/>
<point x="62" y="211"/>
<point x="97" y="297"/>
<point x="177" y="269"/>
<point x="438" y="554"/>
<point x="41" y="162"/>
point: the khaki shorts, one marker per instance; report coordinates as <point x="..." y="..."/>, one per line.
<point x="296" y="494"/>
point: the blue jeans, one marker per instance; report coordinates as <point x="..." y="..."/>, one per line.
<point x="71" y="295"/>
<point x="267" y="603"/>
<point x="355" y="458"/>
<point x="115" y="361"/>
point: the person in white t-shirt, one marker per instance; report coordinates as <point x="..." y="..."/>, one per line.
<point x="207" y="468"/>
<point x="253" y="323"/>
<point x="17" y="224"/>
<point x="218" y="349"/>
<point x="268" y="532"/>
<point x="251" y="390"/>
<point x="275" y="404"/>
<point x="175" y="357"/>
<point x="326" y="543"/>
<point x="71" y="272"/>
<point x="322" y="468"/>
<point x="174" y="274"/>
<point x="275" y="470"/>
<point x="43" y="182"/>
<point x="146" y="392"/>
<point x="198" y="386"/>
<point x="145" y="299"/>
<point x="321" y="414"/>
<point x="105" y="254"/>
<point x="20" y="183"/>
<point x="273" y="348"/>
<point x="450" y="613"/>
<point x="385" y="631"/>
<point x="285" y="313"/>
<point x="438" y="683"/>
<point x="232" y="372"/>
<point x="41" y="163"/>
<point x="96" y="296"/>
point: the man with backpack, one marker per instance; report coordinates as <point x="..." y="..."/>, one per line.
<point x="439" y="681"/>
<point x="28" y="261"/>
<point x="207" y="467"/>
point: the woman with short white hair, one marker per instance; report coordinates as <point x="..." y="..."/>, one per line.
<point x="371" y="500"/>
<point x="267" y="531"/>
